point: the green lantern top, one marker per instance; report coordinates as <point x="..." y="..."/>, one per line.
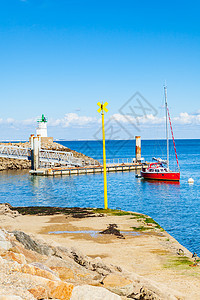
<point x="42" y="120"/>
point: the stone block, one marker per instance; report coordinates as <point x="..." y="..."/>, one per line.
<point x="39" y="292"/>
<point x="63" y="272"/>
<point x="33" y="270"/>
<point x="113" y="280"/>
<point x="60" y="290"/>
<point x="10" y="297"/>
<point x="9" y="255"/>
<point x="88" y="292"/>
<point x="30" y="244"/>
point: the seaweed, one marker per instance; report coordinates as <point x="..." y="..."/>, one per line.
<point x="180" y="262"/>
<point x="114" y="212"/>
<point x="140" y="228"/>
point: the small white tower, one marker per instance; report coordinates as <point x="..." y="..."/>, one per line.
<point x="42" y="127"/>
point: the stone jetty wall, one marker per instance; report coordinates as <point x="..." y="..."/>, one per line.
<point x="31" y="268"/>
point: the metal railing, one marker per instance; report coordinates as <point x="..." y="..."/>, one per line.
<point x="45" y="156"/>
<point x="15" y="152"/>
<point x="118" y="161"/>
<point x="59" y="157"/>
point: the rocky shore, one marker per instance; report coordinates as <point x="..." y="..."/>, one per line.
<point x="91" y="254"/>
<point x="20" y="164"/>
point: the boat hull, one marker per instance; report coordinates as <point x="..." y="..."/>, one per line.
<point x="166" y="176"/>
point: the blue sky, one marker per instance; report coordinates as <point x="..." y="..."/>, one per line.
<point x="61" y="57"/>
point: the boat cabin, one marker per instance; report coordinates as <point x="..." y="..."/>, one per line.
<point x="155" y="168"/>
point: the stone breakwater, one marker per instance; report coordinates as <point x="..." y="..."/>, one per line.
<point x="20" y="164"/>
<point x="35" y="267"/>
<point x="37" y="270"/>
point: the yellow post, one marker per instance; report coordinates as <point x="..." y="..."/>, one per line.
<point x="104" y="164"/>
<point x="102" y="108"/>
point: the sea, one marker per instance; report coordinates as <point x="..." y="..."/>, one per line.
<point x="174" y="206"/>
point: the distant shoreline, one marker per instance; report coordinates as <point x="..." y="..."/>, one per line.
<point x="91" y="140"/>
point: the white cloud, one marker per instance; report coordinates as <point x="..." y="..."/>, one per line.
<point x="122" y="118"/>
<point x="10" y="121"/>
<point x="73" y="119"/>
<point x="183" y="118"/>
<point x="151" y="119"/>
<point x="54" y="123"/>
<point x="148" y="119"/>
<point x="29" y="121"/>
<point x="187" y="119"/>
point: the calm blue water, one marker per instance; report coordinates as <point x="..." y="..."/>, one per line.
<point x="174" y="206"/>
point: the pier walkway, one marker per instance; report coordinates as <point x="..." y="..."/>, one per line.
<point x="95" y="169"/>
<point x="70" y="165"/>
<point x="45" y="156"/>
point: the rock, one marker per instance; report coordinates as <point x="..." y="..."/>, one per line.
<point x="119" y="284"/>
<point x="39" y="292"/>
<point x="100" y="267"/>
<point x="13" y="164"/>
<point x="2" y="235"/>
<point x="63" y="272"/>
<point x="144" y="294"/>
<point x="80" y="259"/>
<point x="30" y="256"/>
<point x="51" y="289"/>
<point x="9" y="255"/>
<point x="113" y="280"/>
<point x="30" y="244"/>
<point x="69" y="270"/>
<point x="37" y="278"/>
<point x="93" y="265"/>
<point x="5" y="209"/>
<point x="4" y="243"/>
<point x="35" y="285"/>
<point x="143" y="287"/>
<point x="88" y="292"/>
<point x="54" y="261"/>
<point x="42" y="267"/>
<point x="60" y="290"/>
<point x="10" y="297"/>
<point x="39" y="271"/>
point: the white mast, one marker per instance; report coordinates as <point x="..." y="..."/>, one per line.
<point x="165" y="89"/>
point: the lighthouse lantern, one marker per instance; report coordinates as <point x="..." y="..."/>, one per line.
<point x="42" y="126"/>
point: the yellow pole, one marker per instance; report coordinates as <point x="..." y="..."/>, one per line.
<point x="102" y="108"/>
<point x="104" y="164"/>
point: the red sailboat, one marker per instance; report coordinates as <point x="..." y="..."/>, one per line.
<point x="159" y="170"/>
